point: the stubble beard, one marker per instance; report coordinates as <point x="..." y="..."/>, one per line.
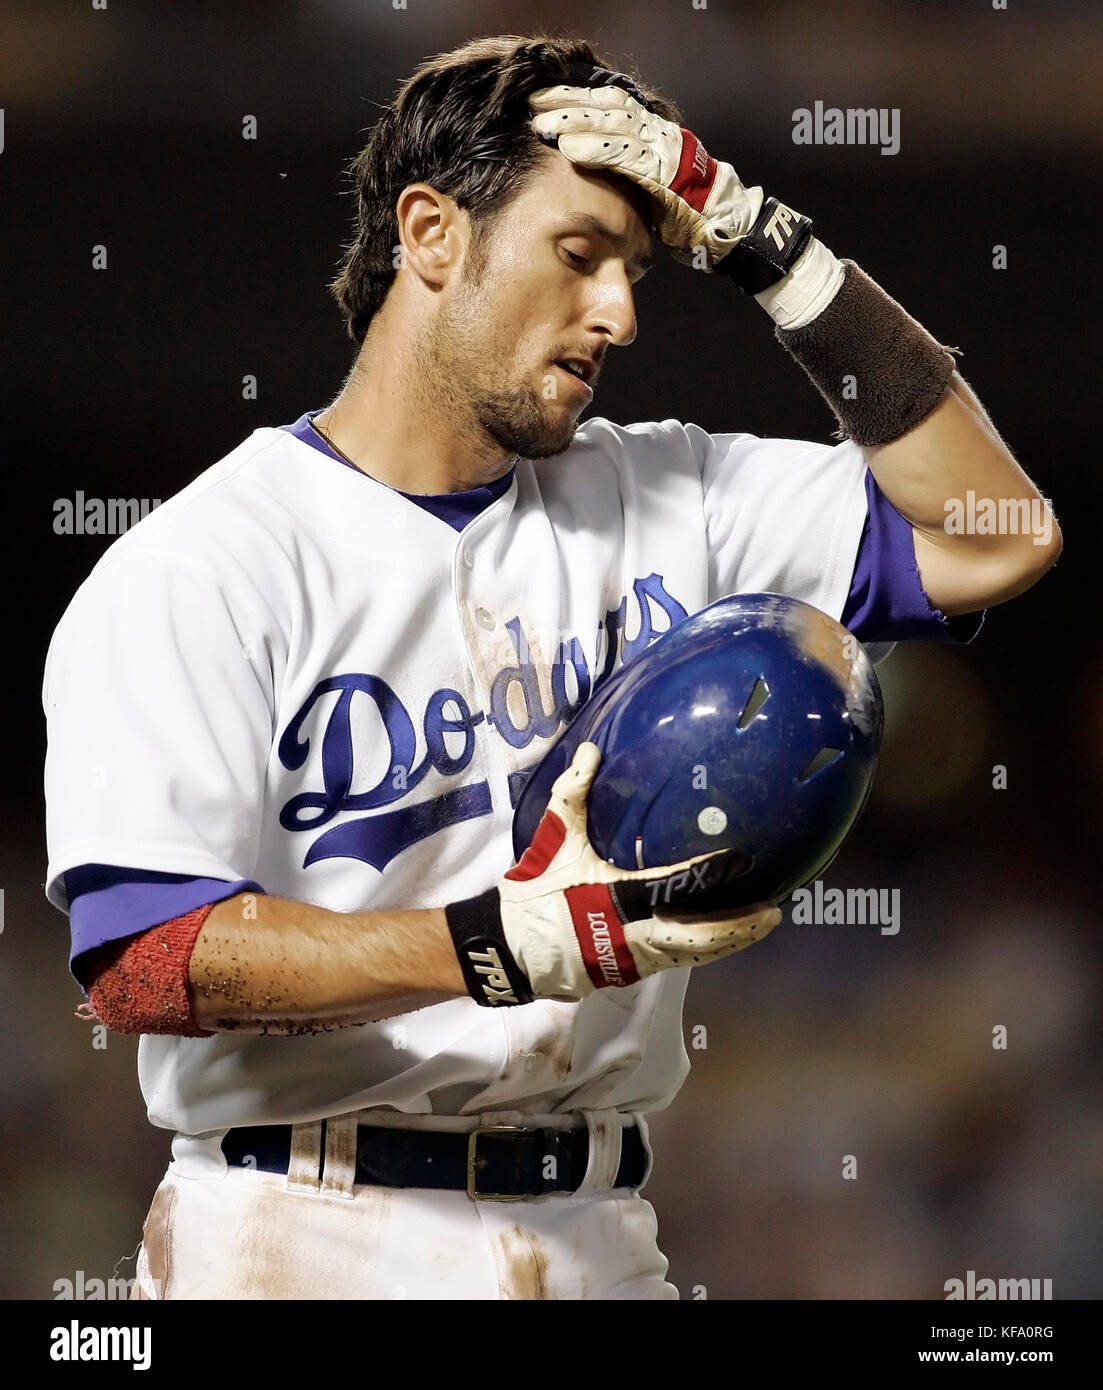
<point x="459" y="355"/>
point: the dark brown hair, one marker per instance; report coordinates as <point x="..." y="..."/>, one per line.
<point x="461" y="124"/>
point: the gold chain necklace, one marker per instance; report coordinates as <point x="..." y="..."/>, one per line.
<point x="315" y="425"/>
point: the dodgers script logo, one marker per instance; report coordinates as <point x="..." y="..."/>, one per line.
<point x="376" y="838"/>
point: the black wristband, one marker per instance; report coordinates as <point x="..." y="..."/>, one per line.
<point x="490" y="973"/>
<point x="769" y="250"/>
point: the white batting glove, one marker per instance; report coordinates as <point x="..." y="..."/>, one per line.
<point x="699" y="202"/>
<point x="704" y="215"/>
<point x="570" y="923"/>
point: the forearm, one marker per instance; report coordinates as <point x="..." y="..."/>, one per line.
<point x="983" y="532"/>
<point x="954" y="450"/>
<point x="269" y="965"/>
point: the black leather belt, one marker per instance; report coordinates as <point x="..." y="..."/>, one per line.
<point x="492" y="1163"/>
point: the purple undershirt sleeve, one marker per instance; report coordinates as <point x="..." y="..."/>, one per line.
<point x="107" y="903"/>
<point x="887" y="602"/>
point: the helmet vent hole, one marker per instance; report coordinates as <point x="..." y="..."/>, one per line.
<point x="759" y="695"/>
<point x="823" y="759"/>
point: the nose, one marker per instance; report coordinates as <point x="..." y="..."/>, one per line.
<point x="611" y="312"/>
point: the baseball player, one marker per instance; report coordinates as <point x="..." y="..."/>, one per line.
<point x="290" y="711"/>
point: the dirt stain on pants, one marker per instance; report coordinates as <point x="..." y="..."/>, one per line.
<point x="523" y="1265"/>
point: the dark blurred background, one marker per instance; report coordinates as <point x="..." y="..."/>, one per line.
<point x="123" y="128"/>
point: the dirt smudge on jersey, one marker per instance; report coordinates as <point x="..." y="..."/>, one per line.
<point x="554" y="1043"/>
<point x="527" y="694"/>
<point x="558" y="1050"/>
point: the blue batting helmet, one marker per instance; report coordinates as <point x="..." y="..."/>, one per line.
<point x="753" y="725"/>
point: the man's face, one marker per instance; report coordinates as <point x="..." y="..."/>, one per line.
<point x="553" y="282"/>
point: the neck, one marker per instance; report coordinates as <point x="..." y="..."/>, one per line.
<point x="403" y="421"/>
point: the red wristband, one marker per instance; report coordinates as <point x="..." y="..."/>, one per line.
<point x="140" y="984"/>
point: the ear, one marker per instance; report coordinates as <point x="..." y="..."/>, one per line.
<point x="434" y="232"/>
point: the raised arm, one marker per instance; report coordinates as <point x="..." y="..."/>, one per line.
<point x="982" y="531"/>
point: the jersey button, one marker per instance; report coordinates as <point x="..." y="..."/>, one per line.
<point x="468" y="558"/>
<point x="484" y="618"/>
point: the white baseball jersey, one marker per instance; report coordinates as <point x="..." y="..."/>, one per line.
<point x="290" y="673"/>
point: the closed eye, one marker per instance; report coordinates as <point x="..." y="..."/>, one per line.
<point x="584" y="263"/>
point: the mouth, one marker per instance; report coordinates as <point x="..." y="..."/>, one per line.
<point x="580" y="371"/>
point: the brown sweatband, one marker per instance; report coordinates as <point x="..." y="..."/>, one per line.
<point x="140" y="984"/>
<point x="879" y="370"/>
